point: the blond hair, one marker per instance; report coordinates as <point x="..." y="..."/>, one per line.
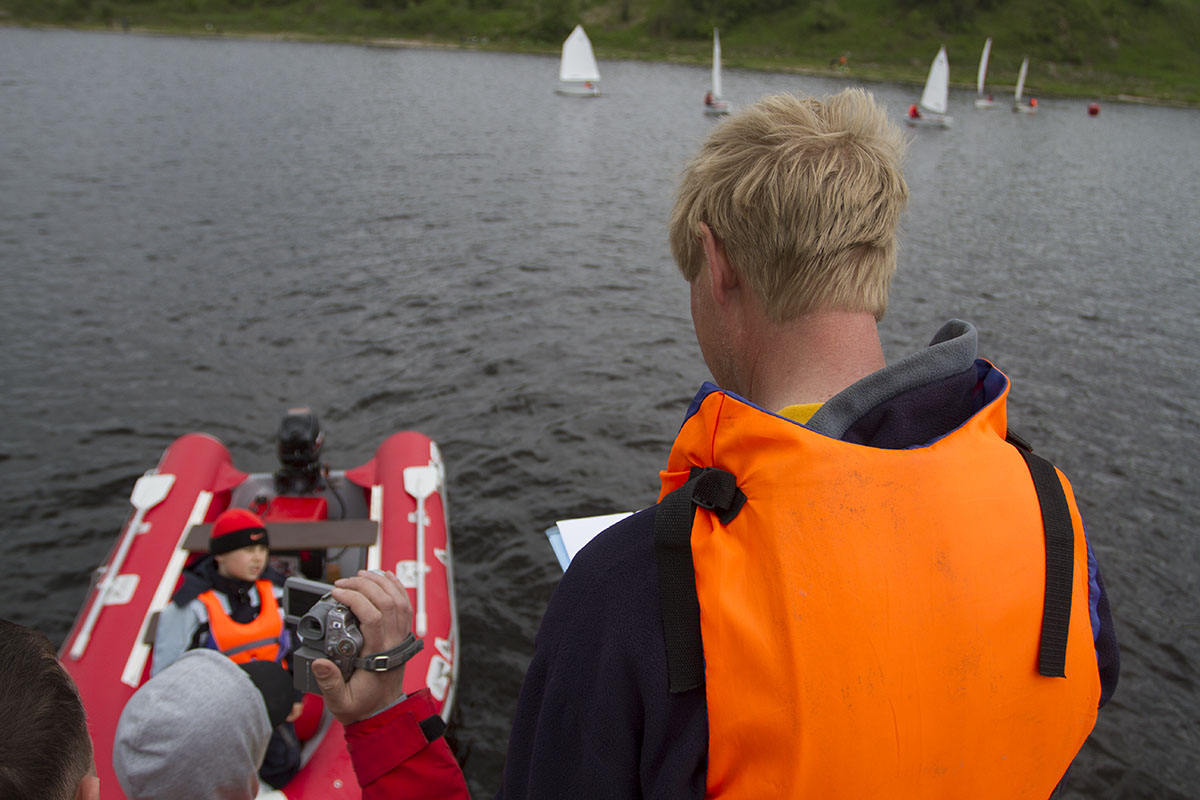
<point x="805" y="196"/>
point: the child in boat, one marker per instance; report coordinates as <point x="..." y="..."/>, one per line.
<point x="229" y="602"/>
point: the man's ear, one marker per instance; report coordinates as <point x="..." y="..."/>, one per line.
<point x="723" y="277"/>
<point x="89" y="789"/>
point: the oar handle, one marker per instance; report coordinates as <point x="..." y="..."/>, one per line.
<point x="422" y="617"/>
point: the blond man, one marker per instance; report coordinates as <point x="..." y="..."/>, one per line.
<point x="856" y="582"/>
<point x="847" y="588"/>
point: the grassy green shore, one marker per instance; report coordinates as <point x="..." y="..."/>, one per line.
<point x="1100" y="49"/>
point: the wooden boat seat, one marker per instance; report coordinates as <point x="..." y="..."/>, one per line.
<point x="288" y="536"/>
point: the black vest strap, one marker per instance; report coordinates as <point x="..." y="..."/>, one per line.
<point x="713" y="489"/>
<point x="1060" y="561"/>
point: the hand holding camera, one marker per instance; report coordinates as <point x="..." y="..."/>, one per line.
<point x="367" y="614"/>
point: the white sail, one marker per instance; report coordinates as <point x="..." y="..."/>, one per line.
<point x="983" y="65"/>
<point x="1021" y="79"/>
<point x="716" y="76"/>
<point x="578" y="63"/>
<point x="937" y="85"/>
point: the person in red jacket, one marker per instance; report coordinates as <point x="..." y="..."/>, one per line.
<point x="394" y="740"/>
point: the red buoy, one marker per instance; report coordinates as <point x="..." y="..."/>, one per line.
<point x="1093" y="109"/>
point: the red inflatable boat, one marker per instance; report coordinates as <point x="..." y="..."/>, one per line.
<point x="389" y="513"/>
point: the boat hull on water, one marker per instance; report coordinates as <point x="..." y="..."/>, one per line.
<point x="718" y="108"/>
<point x="578" y="89"/>
<point x="930" y="120"/>
<point x="389" y="513"/>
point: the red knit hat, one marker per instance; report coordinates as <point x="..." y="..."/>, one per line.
<point x="236" y="528"/>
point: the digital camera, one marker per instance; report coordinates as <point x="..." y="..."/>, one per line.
<point x="327" y="629"/>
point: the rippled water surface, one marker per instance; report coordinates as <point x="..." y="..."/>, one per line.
<point x="195" y="234"/>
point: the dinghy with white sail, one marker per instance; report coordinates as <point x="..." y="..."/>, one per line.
<point x="1031" y="106"/>
<point x="714" y="106"/>
<point x="982" y="100"/>
<point x="578" y="74"/>
<point x="931" y="111"/>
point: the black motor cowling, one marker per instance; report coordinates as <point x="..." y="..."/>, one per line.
<point x="299" y="450"/>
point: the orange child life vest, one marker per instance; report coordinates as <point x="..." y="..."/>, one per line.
<point x="871" y="619"/>
<point x="256" y="640"/>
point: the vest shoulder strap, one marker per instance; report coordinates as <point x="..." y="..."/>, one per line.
<point x="713" y="489"/>
<point x="1059" y="532"/>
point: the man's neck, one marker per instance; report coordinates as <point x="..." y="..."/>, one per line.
<point x="810" y="359"/>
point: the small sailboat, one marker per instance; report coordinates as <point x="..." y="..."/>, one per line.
<point x="931" y="111"/>
<point x="714" y="106"/>
<point x="578" y="74"/>
<point x="1031" y="106"/>
<point x="982" y="100"/>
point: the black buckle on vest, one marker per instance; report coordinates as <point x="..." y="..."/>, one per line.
<point x="716" y="490"/>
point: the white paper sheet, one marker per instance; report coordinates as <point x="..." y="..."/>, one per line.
<point x="578" y="532"/>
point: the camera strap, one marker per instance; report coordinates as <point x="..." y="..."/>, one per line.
<point x="391" y="659"/>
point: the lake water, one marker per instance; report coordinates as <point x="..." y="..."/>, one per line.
<point x="196" y="234"/>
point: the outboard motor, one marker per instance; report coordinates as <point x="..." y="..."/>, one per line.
<point x="299" y="450"/>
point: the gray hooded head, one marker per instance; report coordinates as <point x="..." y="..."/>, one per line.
<point x="198" y="730"/>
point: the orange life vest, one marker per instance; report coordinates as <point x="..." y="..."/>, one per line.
<point x="256" y="640"/>
<point x="870" y="618"/>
